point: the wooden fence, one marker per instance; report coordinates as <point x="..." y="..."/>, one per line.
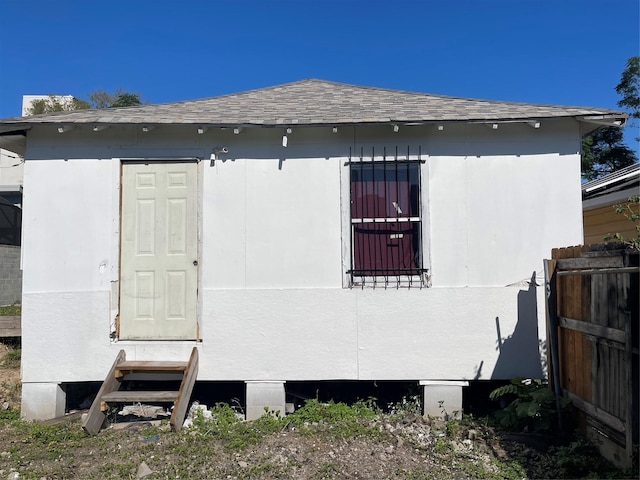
<point x="592" y="322"/>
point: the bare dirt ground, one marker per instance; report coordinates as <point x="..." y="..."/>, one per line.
<point x="381" y="447"/>
<point x="9" y="377"/>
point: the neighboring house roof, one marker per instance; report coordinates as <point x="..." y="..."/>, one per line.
<point x="614" y="187"/>
<point x="618" y="180"/>
<point x="320" y="102"/>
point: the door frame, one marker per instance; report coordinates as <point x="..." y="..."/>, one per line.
<point x="117" y="172"/>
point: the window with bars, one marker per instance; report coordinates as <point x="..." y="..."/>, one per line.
<point x="386" y="223"/>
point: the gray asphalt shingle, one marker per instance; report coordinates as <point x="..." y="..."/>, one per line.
<point x="316" y="102"/>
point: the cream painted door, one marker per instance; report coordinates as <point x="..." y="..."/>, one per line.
<point x="158" y="251"/>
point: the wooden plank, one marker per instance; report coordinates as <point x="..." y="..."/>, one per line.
<point x="149" y="366"/>
<point x="152" y="376"/>
<point x="621" y="309"/>
<point x="614" y="387"/>
<point x="609" y="343"/>
<point x="599" y="300"/>
<point x="599" y="271"/>
<point x="140" y="396"/>
<point x="587" y="349"/>
<point x="186" y="387"/>
<point x="595" y="364"/>
<point x="608" y="442"/>
<point x="10" y="326"/>
<point x="565" y="309"/>
<point x="627" y="391"/>
<point x="571" y="360"/>
<point x="573" y="296"/>
<point x="612" y="334"/>
<point x="68" y="418"/>
<point x="95" y="418"/>
<point x="601" y="376"/>
<point x="585" y="299"/>
<point x="598" y="413"/>
<point x="590" y="263"/>
<point x="553" y="352"/>
<point x="580" y="380"/>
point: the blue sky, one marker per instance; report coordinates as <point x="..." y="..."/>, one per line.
<point x="541" y="51"/>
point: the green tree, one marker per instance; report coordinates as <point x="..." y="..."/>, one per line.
<point x="56" y="103"/>
<point x="629" y="87"/>
<point x="126" y="100"/>
<point x="119" y="98"/>
<point x="604" y="151"/>
<point x="97" y="99"/>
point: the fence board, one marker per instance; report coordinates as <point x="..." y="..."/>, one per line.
<point x="594" y="294"/>
<point x="571" y="263"/>
<point x="593" y="329"/>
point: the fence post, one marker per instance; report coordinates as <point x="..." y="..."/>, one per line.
<point x="550" y="280"/>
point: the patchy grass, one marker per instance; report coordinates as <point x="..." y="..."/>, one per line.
<point x="10" y="310"/>
<point x="11" y="358"/>
<point x="318" y="441"/>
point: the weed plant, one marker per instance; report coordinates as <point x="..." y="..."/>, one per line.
<point x="12" y="358"/>
<point x="337" y="419"/>
<point x="532" y="405"/>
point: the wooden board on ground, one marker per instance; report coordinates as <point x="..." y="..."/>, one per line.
<point x="10" y="326"/>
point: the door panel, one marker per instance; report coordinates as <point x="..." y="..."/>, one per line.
<point x="158" y="272"/>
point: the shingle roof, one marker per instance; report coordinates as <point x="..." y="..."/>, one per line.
<point x="619" y="180"/>
<point x="316" y="102"/>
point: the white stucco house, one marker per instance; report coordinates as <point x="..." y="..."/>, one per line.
<point x="307" y="231"/>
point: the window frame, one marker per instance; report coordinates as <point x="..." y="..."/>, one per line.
<point x="387" y="278"/>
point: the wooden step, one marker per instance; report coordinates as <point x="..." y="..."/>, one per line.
<point x="110" y="390"/>
<point x="140" y="396"/>
<point x="145" y="366"/>
<point x="149" y="367"/>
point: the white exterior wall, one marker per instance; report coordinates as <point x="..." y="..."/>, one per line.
<point x="272" y="303"/>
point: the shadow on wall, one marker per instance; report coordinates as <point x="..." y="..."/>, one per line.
<point x="521" y="353"/>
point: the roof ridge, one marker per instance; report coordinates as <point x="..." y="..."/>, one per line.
<point x="351" y="85"/>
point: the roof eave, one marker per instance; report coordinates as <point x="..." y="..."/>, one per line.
<point x="14" y="140"/>
<point x="594" y="122"/>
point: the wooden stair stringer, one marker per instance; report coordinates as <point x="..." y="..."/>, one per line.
<point x="181" y="402"/>
<point x="110" y="389"/>
<point x="95" y="418"/>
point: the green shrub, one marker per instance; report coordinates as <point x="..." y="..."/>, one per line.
<point x="338" y="419"/>
<point x="533" y="408"/>
<point x="314" y="411"/>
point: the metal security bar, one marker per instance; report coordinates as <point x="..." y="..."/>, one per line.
<point x="386" y="220"/>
